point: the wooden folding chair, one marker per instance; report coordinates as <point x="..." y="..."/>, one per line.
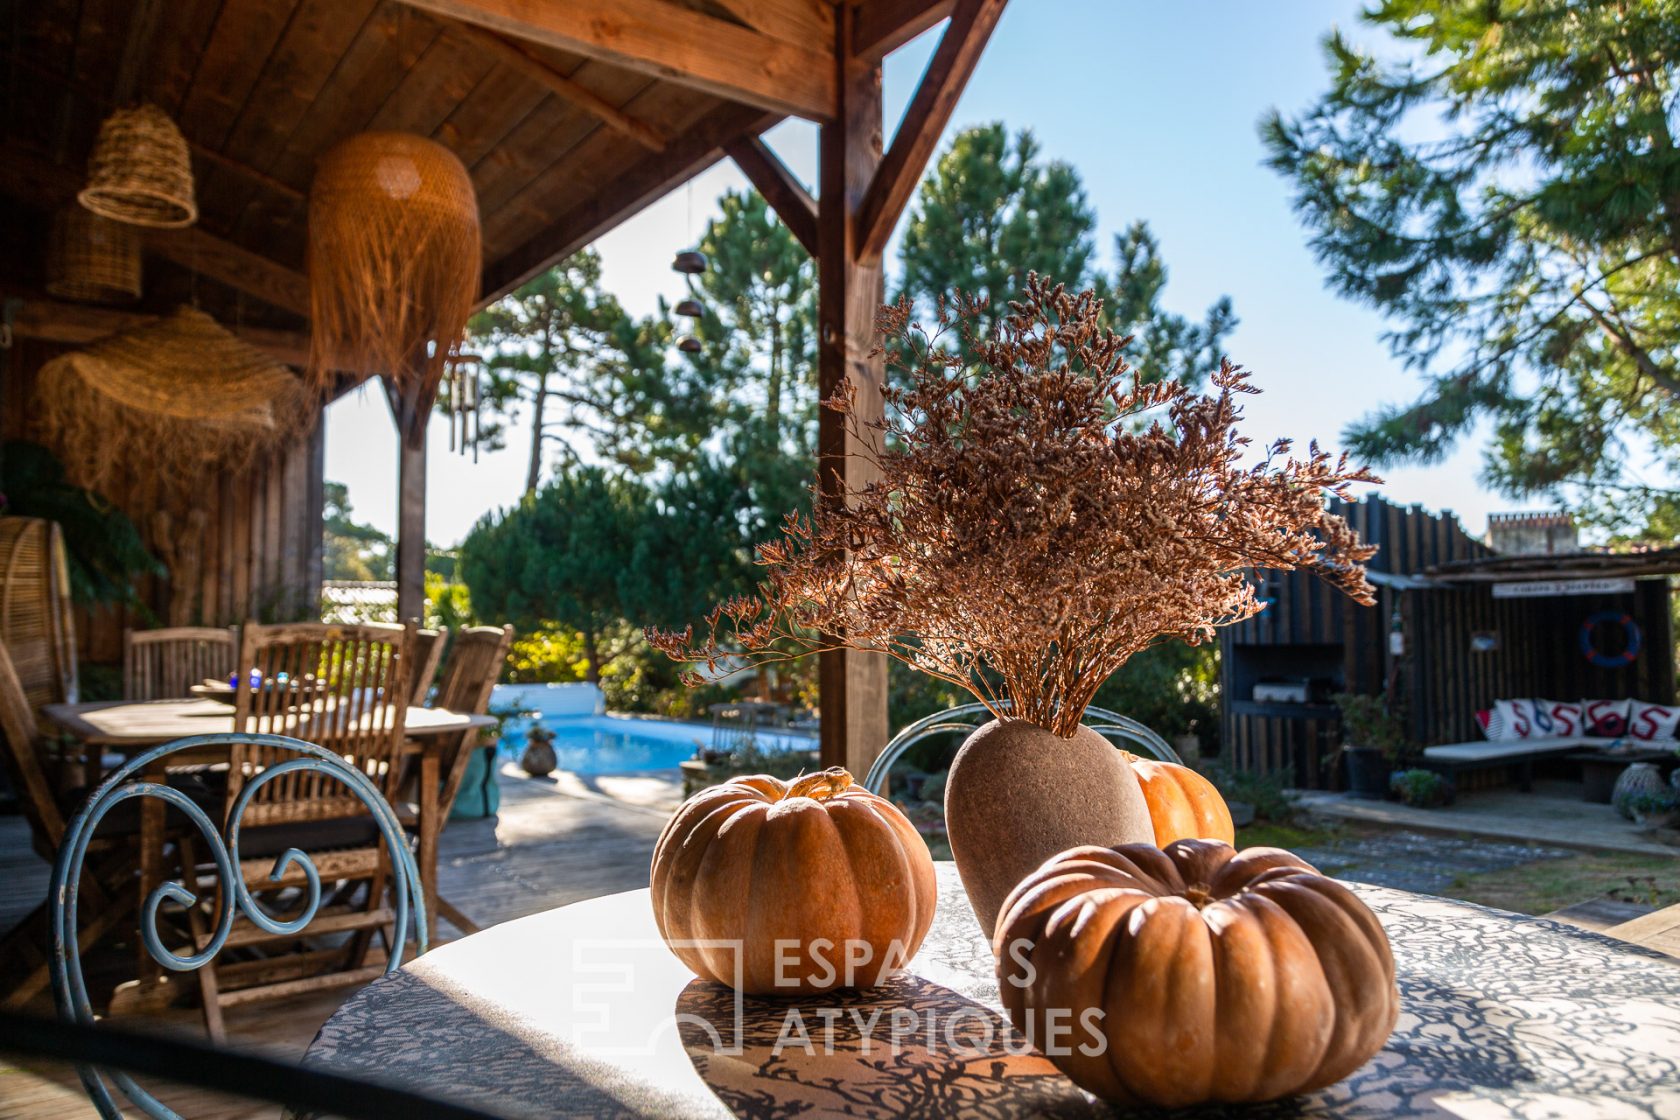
<point x="109" y="891"/>
<point x="474" y="663"/>
<point x="428" y="651"/>
<point x="345" y="688"/>
<point x="165" y="664"/>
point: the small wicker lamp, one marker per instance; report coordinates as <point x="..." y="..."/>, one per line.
<point x="141" y="171"/>
<point x="180" y="401"/>
<point x="394" y="262"/>
<point x="92" y="259"/>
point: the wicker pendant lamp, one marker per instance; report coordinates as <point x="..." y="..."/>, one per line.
<point x="180" y="402"/>
<point x="92" y="259"/>
<point x="394" y="263"/>
<point x="141" y="171"/>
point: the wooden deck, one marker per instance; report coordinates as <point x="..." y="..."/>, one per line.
<point x="554" y="842"/>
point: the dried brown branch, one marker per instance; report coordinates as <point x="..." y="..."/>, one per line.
<point x="1029" y="533"/>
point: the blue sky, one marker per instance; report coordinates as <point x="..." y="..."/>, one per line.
<point x="1156" y="104"/>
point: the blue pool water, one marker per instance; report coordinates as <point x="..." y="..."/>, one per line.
<point x="620" y="744"/>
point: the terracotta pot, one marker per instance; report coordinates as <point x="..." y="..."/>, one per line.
<point x="1018" y="795"/>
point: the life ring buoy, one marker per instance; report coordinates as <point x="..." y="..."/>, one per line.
<point x="1630" y="643"/>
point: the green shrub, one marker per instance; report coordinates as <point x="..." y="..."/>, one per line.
<point x="1268" y="793"/>
<point x="1423" y="788"/>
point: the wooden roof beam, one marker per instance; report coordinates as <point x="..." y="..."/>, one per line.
<point x="885" y="25"/>
<point x="785" y="194"/>
<point x="687" y="154"/>
<point x="521" y="58"/>
<point x="930" y="111"/>
<point x="35" y="179"/>
<point x="674" y="42"/>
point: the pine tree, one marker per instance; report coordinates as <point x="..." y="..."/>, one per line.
<point x="992" y="210"/>
<point x="1509" y="194"/>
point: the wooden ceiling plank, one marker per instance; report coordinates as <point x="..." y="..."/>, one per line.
<point x="387" y="47"/>
<point x="885" y="25"/>
<point x="672" y="42"/>
<point x="78" y="324"/>
<point x="596" y="159"/>
<point x="520" y="58"/>
<point x="238" y="50"/>
<point x="492" y="110"/>
<point x="547" y="138"/>
<point x="297" y="71"/>
<point x="432" y="88"/>
<point x="183" y="30"/>
<point x="929" y="112"/>
<point x="785" y="194"/>
<point x="35" y="179"/>
<point x="653" y="176"/>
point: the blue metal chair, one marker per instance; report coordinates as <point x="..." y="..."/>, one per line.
<point x="69" y="989"/>
<point x="966" y="717"/>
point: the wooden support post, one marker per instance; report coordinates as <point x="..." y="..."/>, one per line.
<point x="411" y="503"/>
<point x="853" y="686"/>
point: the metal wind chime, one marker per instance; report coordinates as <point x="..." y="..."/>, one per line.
<point x="690" y="262"/>
<point x="462" y="397"/>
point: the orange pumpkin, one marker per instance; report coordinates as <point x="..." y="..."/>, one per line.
<point x="781" y="888"/>
<point x="1194" y="974"/>
<point x="1183" y="805"/>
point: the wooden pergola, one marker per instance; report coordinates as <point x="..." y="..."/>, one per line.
<point x="571" y="115"/>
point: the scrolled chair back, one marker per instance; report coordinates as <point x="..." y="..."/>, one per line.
<point x="235" y="898"/>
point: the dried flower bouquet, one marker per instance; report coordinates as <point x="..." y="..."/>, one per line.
<point x="1033" y="527"/>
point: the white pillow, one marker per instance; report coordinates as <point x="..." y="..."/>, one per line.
<point x="1653" y="721"/>
<point x="1557" y="719"/>
<point x="1514" y="719"/>
<point x="1605" y="719"/>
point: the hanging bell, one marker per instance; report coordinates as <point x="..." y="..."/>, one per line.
<point x="691" y="261"/>
<point x="689" y="308"/>
<point x="688" y="344"/>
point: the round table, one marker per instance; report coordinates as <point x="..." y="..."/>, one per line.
<point x="582" y="1011"/>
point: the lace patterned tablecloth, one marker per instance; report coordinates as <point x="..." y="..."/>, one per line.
<point x="582" y="1011"/>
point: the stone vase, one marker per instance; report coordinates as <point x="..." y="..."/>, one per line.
<point x="539" y="758"/>
<point x="1017" y="795"/>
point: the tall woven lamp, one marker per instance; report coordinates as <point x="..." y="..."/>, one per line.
<point x="394" y="262"/>
<point x="92" y="259"/>
<point x="140" y="171"/>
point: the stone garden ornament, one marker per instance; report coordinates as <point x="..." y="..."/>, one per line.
<point x="1044" y="513"/>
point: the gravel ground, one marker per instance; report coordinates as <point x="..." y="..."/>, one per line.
<point x="1418" y="861"/>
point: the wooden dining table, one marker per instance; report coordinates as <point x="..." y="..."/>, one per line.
<point x="128" y="727"/>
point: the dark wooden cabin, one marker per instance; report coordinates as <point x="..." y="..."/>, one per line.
<point x="1439" y="640"/>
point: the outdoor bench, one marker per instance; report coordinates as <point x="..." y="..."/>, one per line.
<point x="1451" y="758"/>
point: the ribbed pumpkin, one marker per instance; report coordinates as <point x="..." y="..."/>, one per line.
<point x="1194" y="974"/>
<point x="830" y="871"/>
<point x="1183" y="805"/>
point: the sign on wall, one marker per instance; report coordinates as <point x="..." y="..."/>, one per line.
<point x="1534" y="589"/>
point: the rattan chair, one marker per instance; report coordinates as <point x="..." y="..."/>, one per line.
<point x="474" y="664"/>
<point x="343" y="689"/>
<point x="166" y="664"/>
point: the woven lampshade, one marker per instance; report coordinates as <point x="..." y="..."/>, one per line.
<point x="394" y="261"/>
<point x="180" y="401"/>
<point x="141" y="171"/>
<point x="92" y="259"/>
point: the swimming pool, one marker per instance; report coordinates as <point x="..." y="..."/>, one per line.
<point x="620" y="744"/>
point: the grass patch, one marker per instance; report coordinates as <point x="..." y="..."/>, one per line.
<point x="1271" y="834"/>
<point x="1551" y="884"/>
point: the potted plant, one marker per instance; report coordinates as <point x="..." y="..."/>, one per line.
<point x="1373" y="743"/>
<point x="1424" y="789"/>
<point x="1042" y="514"/>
